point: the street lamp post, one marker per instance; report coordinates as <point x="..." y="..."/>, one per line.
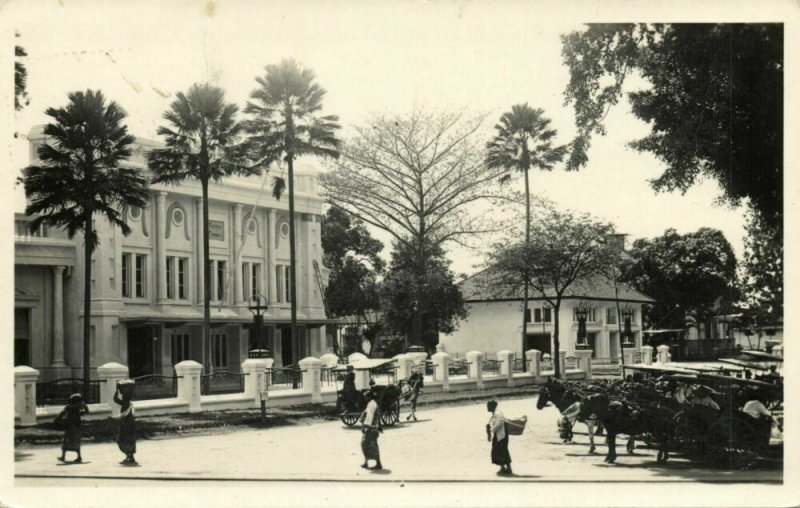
<point x="257" y="346"/>
<point x="581" y="312"/>
<point x="627" y="316"/>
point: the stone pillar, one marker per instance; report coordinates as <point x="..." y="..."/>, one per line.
<point x="405" y="366"/>
<point x="111" y="372"/>
<point x="418" y="358"/>
<point x="629" y="353"/>
<point x="475" y="359"/>
<point x="161" y="245"/>
<point x="507" y="365"/>
<point x="238" y="299"/>
<point x="534" y="366"/>
<point x="584" y="357"/>
<point x="198" y="251"/>
<point x="440" y="348"/>
<point x="362" y="378"/>
<point x="58" y="317"/>
<point x="441" y="369"/>
<point x="188" y="372"/>
<point x="25" y="394"/>
<point x="330" y="360"/>
<point x="562" y="362"/>
<point x="356" y="357"/>
<point x="255" y="378"/>
<point x="312" y="382"/>
<point x="268" y="362"/>
<point x="647" y="355"/>
<point x="272" y="282"/>
<point x="663" y="353"/>
<point x="778" y="350"/>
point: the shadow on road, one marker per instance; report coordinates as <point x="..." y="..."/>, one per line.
<point x="21" y="456"/>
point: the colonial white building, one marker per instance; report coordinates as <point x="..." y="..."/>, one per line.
<point x="147" y="288"/>
<point x="494" y="322"/>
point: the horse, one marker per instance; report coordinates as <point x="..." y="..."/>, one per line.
<point x="564" y="396"/>
<point x="624" y="417"/>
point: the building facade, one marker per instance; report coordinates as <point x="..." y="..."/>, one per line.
<point x="148" y="287"/>
<point x="494" y="322"/>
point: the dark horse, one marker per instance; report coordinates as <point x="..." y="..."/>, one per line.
<point x="566" y="397"/>
<point x="623" y="417"/>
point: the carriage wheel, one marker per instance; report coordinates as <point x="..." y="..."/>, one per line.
<point x="685" y="431"/>
<point x="392" y="414"/>
<point x="349" y="419"/>
<point x="732" y="443"/>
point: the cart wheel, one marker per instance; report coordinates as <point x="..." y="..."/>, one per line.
<point x="392" y="414"/>
<point x="349" y="419"/>
<point x="732" y="443"/>
<point x="685" y="434"/>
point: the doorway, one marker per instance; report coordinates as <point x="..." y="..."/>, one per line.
<point x="141" y="354"/>
<point x="591" y="339"/>
<point x="22" y="342"/>
<point x="286" y="346"/>
<point x="538" y="341"/>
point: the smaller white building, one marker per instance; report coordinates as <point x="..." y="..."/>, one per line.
<point x="494" y="322"/>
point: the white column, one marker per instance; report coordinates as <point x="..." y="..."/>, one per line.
<point x="584" y="357"/>
<point x="562" y="364"/>
<point x="58" y="317"/>
<point x="254" y="379"/>
<point x="25" y="394"/>
<point x="506" y="358"/>
<point x="272" y="283"/>
<point x="628" y="353"/>
<point x="111" y="373"/>
<point x="647" y="355"/>
<point x="663" y="353"/>
<point x="312" y="383"/>
<point x="198" y="251"/>
<point x="188" y="372"/>
<point x="441" y="363"/>
<point x="238" y="299"/>
<point x="534" y="366"/>
<point x="475" y="359"/>
<point x="161" y="245"/>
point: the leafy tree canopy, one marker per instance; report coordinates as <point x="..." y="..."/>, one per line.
<point x="713" y="101"/>
<point x="763" y="271"/>
<point x="20" y="78"/>
<point x="692" y="273"/>
<point x="346" y="236"/>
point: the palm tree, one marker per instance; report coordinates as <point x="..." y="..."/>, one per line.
<point x="202" y="143"/>
<point x="524" y="141"/>
<point x="285" y="125"/>
<point x="79" y="175"/>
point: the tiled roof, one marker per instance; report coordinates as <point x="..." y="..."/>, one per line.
<point x="483" y="286"/>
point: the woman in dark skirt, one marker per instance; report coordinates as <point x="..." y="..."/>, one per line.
<point x="126" y="437"/>
<point x="70" y="417"/>
<point x="371" y="429"/>
<point x="496" y="432"/>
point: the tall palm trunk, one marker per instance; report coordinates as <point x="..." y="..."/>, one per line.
<point x="87" y="306"/>
<point x="207" y="347"/>
<point x="292" y="267"/>
<point x="525" y="282"/>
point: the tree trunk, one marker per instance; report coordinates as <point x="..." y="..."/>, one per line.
<point x="525" y="282"/>
<point x="292" y="267"/>
<point x="556" y="356"/>
<point x="207" y="347"/>
<point x="87" y="307"/>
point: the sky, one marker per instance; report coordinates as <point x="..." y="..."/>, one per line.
<point x="372" y="58"/>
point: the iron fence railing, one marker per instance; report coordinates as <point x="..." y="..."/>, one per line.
<point x="491" y="367"/>
<point x="458" y="368"/>
<point x="153" y="386"/>
<point x="277" y="376"/>
<point x="386" y="374"/>
<point x="221" y="381"/>
<point x="57" y="392"/>
<point x="519" y="365"/>
<point x="329" y="376"/>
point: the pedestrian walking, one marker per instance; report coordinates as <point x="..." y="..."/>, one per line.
<point x="416" y="382"/>
<point x="126" y="435"/>
<point x="370" y="430"/>
<point x="70" y="419"/>
<point x="496" y="433"/>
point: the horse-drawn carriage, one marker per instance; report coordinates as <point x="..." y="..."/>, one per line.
<point x="351" y="402"/>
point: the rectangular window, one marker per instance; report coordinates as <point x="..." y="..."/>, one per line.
<point x="126" y="275"/>
<point x="288" y="285"/>
<point x="170" y="277"/>
<point x="542" y="315"/>
<point x="141" y="273"/>
<point x="220" y="281"/>
<point x="255" y="279"/>
<point x="220" y="350"/>
<point x="183" y="265"/>
<point x="611" y="315"/>
<point x="180" y="347"/>
<point x="246" y="281"/>
<point x="279" y="282"/>
<point x="591" y="315"/>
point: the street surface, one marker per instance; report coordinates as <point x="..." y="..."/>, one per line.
<point x="446" y="444"/>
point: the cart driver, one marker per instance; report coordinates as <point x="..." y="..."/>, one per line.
<point x="702" y="397"/>
<point x="349" y="387"/>
<point x="755" y="408"/>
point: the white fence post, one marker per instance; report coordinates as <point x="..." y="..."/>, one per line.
<point x="311" y="377"/>
<point x="441" y="362"/>
<point x="506" y="358"/>
<point x="255" y="378"/>
<point x="25" y="394"/>
<point x="404" y="365"/>
<point x="534" y="365"/>
<point x="111" y="372"/>
<point x="188" y="372"/>
<point x="475" y="359"/>
<point x="663" y="353"/>
<point x="356" y="357"/>
<point x="647" y="355"/>
<point x="584" y="357"/>
<point x="330" y="360"/>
